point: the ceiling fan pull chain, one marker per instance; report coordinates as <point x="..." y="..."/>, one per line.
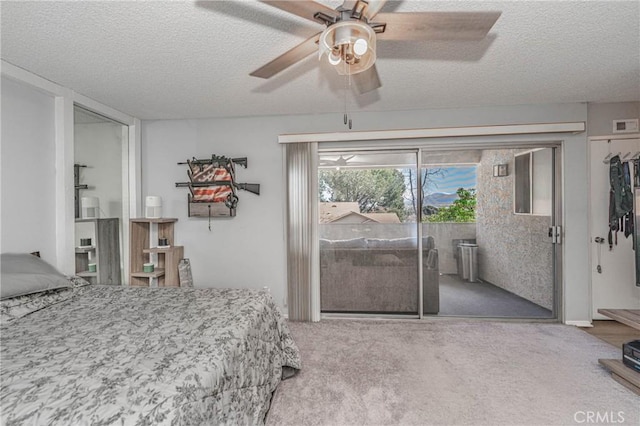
<point x="346" y="94"/>
<point x="346" y="114"/>
<point x="347" y="86"/>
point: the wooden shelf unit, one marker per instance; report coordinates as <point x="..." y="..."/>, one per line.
<point x="85" y="250"/>
<point x="630" y="317"/>
<point x="622" y="374"/>
<point x="144" y="234"/>
<point x="157" y="273"/>
<point x="105" y="252"/>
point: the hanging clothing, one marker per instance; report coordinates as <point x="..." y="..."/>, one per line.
<point x="620" y="198"/>
<point x="628" y="218"/>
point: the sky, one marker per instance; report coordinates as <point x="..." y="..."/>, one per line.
<point x="453" y="178"/>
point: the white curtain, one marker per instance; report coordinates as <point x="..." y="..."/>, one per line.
<point x="302" y="231"/>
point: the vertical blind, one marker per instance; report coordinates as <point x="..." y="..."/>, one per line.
<point x="301" y="228"/>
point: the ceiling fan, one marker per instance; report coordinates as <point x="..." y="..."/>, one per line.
<point x="341" y="162"/>
<point x="352" y="30"/>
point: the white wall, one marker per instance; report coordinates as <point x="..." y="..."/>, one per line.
<point x="38" y="118"/>
<point x="601" y="116"/>
<point x="28" y="171"/>
<point x="248" y="251"/>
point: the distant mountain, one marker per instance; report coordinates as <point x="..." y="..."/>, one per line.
<point x="440" y="199"/>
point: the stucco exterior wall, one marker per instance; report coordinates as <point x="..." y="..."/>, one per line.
<point x="515" y="252"/>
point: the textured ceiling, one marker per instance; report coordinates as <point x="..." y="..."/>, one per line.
<point x="192" y="59"/>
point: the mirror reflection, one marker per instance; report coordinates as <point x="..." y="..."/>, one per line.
<point x="101" y="207"/>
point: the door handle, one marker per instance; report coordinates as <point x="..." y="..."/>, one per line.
<point x="555" y="233"/>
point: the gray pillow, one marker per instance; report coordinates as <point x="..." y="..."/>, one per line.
<point x="23" y="273"/>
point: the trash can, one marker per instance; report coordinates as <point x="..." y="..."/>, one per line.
<point x="457" y="255"/>
<point x="469" y="257"/>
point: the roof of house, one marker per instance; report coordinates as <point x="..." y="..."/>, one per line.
<point x="330" y="212"/>
<point x="383" y="217"/>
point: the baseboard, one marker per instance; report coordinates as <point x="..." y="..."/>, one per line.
<point x="580" y="323"/>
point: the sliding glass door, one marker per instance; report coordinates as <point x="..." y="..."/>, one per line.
<point x="368" y="232"/>
<point x="467" y="232"/>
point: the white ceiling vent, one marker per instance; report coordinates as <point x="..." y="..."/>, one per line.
<point x="625" y="126"/>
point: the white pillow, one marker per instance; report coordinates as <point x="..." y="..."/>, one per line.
<point x="23" y="273"/>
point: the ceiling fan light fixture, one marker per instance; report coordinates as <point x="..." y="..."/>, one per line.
<point x="360" y="47"/>
<point x="353" y="42"/>
<point x="334" y="57"/>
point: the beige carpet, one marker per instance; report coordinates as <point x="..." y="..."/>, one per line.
<point x="359" y="372"/>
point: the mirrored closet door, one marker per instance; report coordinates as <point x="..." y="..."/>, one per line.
<point x="101" y="197"/>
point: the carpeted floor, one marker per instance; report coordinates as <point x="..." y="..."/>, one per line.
<point x="450" y="372"/>
<point x="480" y="299"/>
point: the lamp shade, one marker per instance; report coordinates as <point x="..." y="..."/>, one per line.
<point x="153" y="207"/>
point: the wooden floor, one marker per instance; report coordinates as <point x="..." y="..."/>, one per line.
<point x="613" y="332"/>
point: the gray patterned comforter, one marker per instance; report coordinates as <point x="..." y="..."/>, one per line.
<point x="141" y="356"/>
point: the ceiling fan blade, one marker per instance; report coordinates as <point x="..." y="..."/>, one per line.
<point x="305" y="9"/>
<point x="363" y="8"/>
<point x="436" y="25"/>
<point x="288" y="58"/>
<point x="367" y="80"/>
<point x="373" y="8"/>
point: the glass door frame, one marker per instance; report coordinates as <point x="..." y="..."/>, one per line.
<point x="557" y="222"/>
<point x="418" y="231"/>
<point x="556" y="216"/>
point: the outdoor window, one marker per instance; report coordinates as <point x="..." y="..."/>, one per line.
<point x="532" y="182"/>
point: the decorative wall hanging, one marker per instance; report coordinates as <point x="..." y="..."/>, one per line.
<point x="213" y="187"/>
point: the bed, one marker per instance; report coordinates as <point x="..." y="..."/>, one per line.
<point x="85" y="354"/>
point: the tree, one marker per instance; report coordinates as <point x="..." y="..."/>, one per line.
<point x="428" y="183"/>
<point x="375" y="190"/>
<point x="462" y="210"/>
